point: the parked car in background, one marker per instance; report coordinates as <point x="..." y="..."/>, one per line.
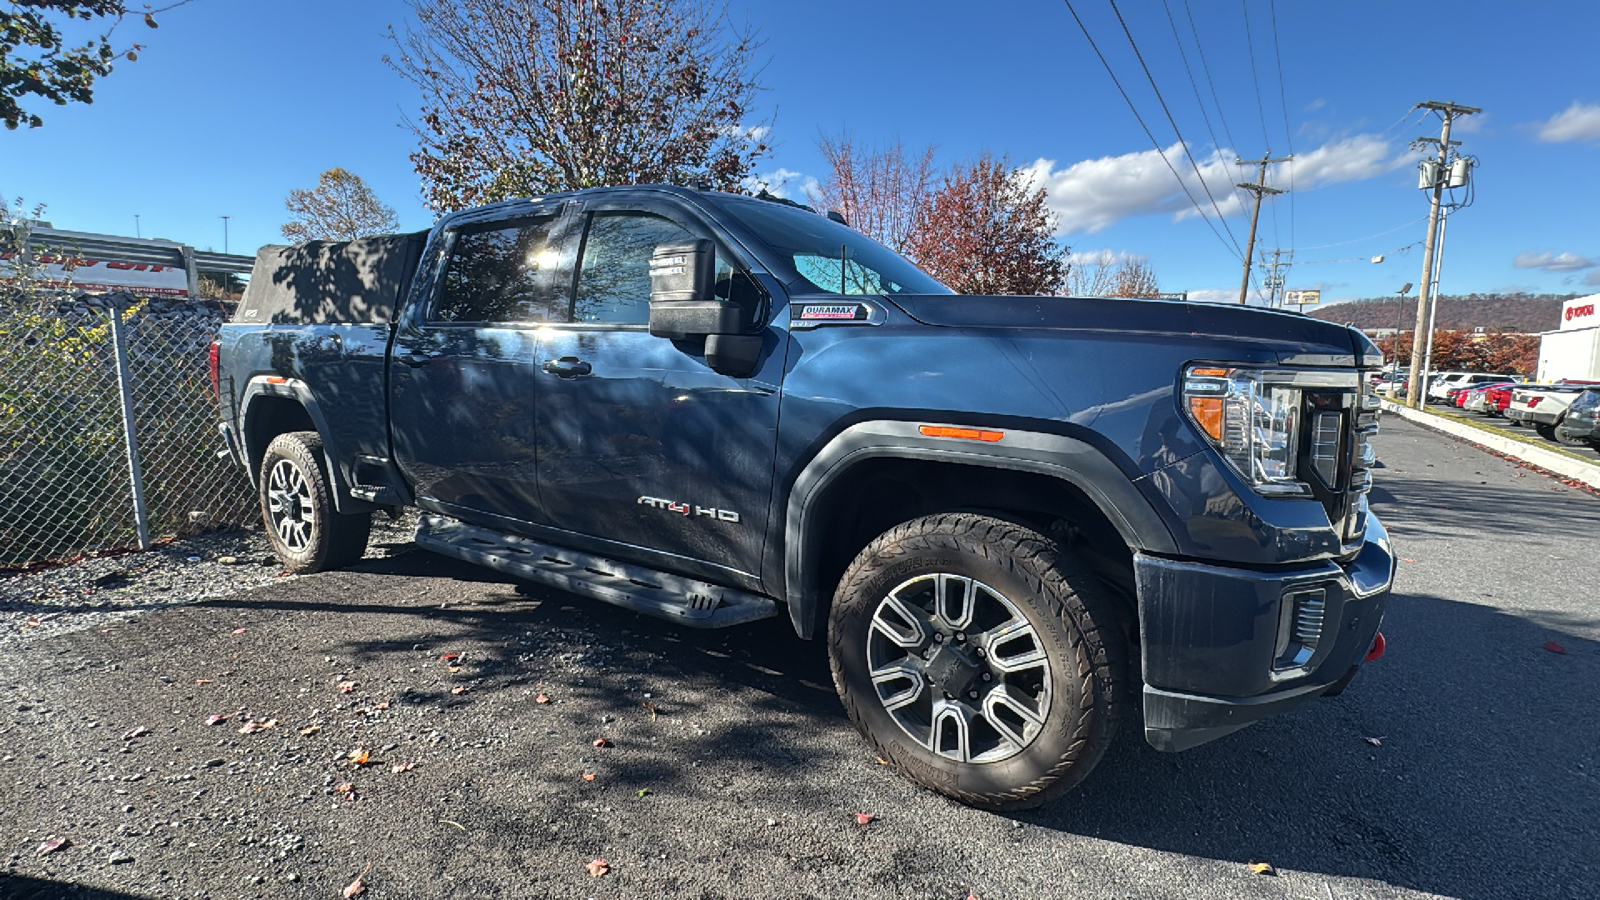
<point x="1478" y="399"/>
<point x="1543" y="406"/>
<point x="1581" y="424"/>
<point x="1440" y="386"/>
<point x="1496" y="399"/>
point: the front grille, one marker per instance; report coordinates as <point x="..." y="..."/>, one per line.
<point x="1338" y="456"/>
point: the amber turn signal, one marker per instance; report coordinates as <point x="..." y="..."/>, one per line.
<point x="966" y="434"/>
<point x="1207" y="412"/>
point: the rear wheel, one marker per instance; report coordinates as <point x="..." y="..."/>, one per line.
<point x="978" y="659"/>
<point x="307" y="533"/>
<point x="1548" y="432"/>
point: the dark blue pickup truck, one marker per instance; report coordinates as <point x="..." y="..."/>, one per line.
<point x="1009" y="517"/>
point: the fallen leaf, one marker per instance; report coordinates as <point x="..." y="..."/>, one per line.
<point x="359" y="756"/>
<point x="1374" y="741"/>
<point x="454" y="669"/>
<point x="541" y="699"/>
<point x="602" y="743"/>
<point x="865" y="818"/>
<point x="598" y="867"/>
<point x="459" y="689"/>
<point x="588" y="776"/>
<point x="383" y="705"/>
<point x="1261" y="868"/>
<point x="882" y="761"/>
<point x="253" y="726"/>
<point x="397" y="768"/>
<point x="1406" y="559"/>
<point x="52" y="845"/>
<point x="454" y="823"/>
<point x="140" y="731"/>
<point x="346" y="687"/>
<point x="1554" y="647"/>
<point x="450" y="657"/>
<point x="202" y="681"/>
<point x="33" y="621"/>
<point x="310" y="730"/>
<point x="345" y="791"/>
<point x="644" y="792"/>
<point x="238" y="631"/>
<point x="219" y="719"/>
<point x="652" y="707"/>
<point x="358" y="887"/>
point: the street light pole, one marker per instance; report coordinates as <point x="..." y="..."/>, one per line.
<point x="1399" y="320"/>
<point x="224" y="232"/>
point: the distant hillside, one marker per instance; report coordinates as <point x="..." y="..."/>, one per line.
<point x="1492" y="312"/>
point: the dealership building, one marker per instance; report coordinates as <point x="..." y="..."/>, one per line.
<point x="98" y="263"/>
<point x="1573" y="349"/>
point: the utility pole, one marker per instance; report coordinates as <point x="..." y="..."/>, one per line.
<point x="1439" y="171"/>
<point x="1276" y="281"/>
<point x="1399" y="319"/>
<point x="224" y="232"/>
<point x="1258" y="188"/>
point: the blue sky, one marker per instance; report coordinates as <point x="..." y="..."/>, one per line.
<point x="235" y="102"/>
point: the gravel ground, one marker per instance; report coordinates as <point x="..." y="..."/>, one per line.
<point x="1462" y="764"/>
<point x="110" y="589"/>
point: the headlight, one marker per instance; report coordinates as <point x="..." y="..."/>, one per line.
<point x="1254" y="417"/>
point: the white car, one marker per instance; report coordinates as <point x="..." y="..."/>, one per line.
<point x="1440" y="385"/>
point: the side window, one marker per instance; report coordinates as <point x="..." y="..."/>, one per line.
<point x="614" y="277"/>
<point x="504" y="272"/>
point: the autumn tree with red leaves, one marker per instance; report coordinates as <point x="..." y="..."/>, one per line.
<point x="987" y="230"/>
<point x="883" y="192"/>
<point x="340" y="208"/>
<point x="527" y="97"/>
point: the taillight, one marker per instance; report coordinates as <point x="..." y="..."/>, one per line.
<point x="211" y="366"/>
<point x="1534" y="401"/>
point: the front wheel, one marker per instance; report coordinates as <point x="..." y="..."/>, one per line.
<point x="978" y="659"/>
<point x="307" y="533"/>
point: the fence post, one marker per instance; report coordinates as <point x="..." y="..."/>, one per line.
<point x="125" y="387"/>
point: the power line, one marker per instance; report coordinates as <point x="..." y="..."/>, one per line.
<point x="1170" y="121"/>
<point x="1140" y="119"/>
<point x="1199" y="101"/>
<point x="1368" y="237"/>
<point x="1283" y="102"/>
<point x="1206" y="68"/>
<point x="1250" y="51"/>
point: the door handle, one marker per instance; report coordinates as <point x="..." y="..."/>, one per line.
<point x="567" y="367"/>
<point x="414" y="360"/>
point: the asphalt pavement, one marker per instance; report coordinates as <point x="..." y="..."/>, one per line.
<point x="430" y="728"/>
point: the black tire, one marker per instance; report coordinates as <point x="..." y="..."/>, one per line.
<point x="1548" y="432"/>
<point x="307" y="533"/>
<point x="1021" y="574"/>
<point x="1555" y="431"/>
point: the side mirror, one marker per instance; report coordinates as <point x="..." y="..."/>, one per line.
<point x="683" y="301"/>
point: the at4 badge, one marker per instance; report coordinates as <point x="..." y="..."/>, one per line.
<point x="686" y="509"/>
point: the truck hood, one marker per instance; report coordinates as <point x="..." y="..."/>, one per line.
<point x="1297" y="339"/>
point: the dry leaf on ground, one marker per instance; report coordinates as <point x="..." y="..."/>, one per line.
<point x="347" y="687"/>
<point x="254" y="725"/>
<point x="1554" y="647"/>
<point x="588" y="776"/>
<point x="358" y="887"/>
<point x="238" y="631"/>
<point x="359" y="756"/>
<point x="450" y="657"/>
<point x="1261" y="868"/>
<point x="459" y="689"/>
<point x="140" y="731"/>
<point x="397" y="768"/>
<point x="383" y="705"/>
<point x="52" y="845"/>
<point x="219" y="718"/>
<point x="309" y="730"/>
<point x="865" y="818"/>
<point x="541" y="699"/>
<point x="1374" y="741"/>
<point x="598" y="867"/>
<point x="602" y="743"/>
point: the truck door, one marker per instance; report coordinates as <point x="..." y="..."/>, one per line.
<point x="645" y="452"/>
<point x="464" y="372"/>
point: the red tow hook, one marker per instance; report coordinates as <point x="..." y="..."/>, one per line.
<point x="1378" y="646"/>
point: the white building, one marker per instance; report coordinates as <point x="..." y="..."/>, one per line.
<point x="1573" y="350"/>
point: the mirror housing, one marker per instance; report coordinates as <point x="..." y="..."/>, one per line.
<point x="683" y="300"/>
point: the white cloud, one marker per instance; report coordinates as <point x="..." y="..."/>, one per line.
<point x="1554" y="262"/>
<point x="1578" y="122"/>
<point x="785" y="183"/>
<point x="1214" y="295"/>
<point x="1094" y="193"/>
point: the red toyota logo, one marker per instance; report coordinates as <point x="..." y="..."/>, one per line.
<point x="1576" y="311"/>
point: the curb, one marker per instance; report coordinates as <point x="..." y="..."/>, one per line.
<point x="1565" y="466"/>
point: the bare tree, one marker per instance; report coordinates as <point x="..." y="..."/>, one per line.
<point x="987" y="230"/>
<point x="526" y="97"/>
<point x="1135" y="278"/>
<point x="882" y="191"/>
<point x="340" y="208"/>
<point x="1091" y="274"/>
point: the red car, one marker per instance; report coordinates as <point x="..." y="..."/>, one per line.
<point x="1497" y="399"/>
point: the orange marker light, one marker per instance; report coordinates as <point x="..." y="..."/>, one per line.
<point x="1215" y="373"/>
<point x="1207" y="412"/>
<point x="276" y="379"/>
<point x="966" y="434"/>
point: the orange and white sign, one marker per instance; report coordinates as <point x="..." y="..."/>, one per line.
<point x="83" y="274"/>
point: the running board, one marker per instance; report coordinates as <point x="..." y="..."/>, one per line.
<point x="697" y="604"/>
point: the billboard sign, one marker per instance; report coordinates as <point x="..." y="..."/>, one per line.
<point x="98" y="275"/>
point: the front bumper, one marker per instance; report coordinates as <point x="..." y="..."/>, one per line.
<point x="1224" y="647"/>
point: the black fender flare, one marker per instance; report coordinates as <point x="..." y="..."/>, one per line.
<point x="296" y="390"/>
<point x="1070" y="459"/>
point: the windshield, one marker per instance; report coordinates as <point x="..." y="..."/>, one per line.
<point x="823" y="255"/>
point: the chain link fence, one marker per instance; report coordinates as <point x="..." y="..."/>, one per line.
<point x="69" y="459"/>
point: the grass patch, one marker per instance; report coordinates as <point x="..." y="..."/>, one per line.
<point x="1521" y="436"/>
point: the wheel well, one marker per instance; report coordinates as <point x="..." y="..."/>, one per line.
<point x="267" y="418"/>
<point x="876" y="495"/>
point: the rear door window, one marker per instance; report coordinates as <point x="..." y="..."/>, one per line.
<point x="505" y="272"/>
